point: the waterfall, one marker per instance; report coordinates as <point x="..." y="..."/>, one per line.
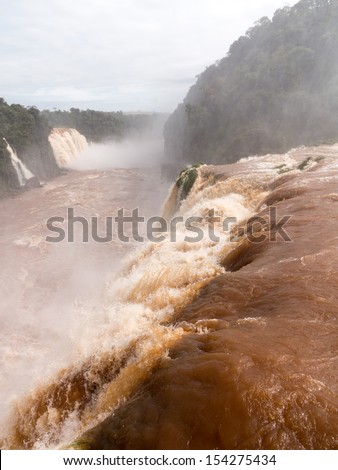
<point x="67" y="145"/>
<point x="22" y="171"/>
<point x="190" y="335"/>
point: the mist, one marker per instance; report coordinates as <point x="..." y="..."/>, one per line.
<point x="53" y="301"/>
<point x="130" y="153"/>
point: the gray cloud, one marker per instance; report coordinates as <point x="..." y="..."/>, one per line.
<point x="115" y="54"/>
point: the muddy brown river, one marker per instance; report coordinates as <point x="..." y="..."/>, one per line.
<point x="228" y="344"/>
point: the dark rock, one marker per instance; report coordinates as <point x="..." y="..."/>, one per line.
<point x="33" y="183"/>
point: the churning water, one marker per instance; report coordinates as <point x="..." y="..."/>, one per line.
<point x="175" y="345"/>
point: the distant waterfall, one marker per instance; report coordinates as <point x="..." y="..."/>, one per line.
<point x="67" y="144"/>
<point x="22" y="171"/>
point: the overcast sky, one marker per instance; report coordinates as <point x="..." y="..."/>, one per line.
<point x="124" y="55"/>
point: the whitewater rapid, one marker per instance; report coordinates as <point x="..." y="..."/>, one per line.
<point x="169" y="326"/>
<point x="44" y="286"/>
<point x="133" y="306"/>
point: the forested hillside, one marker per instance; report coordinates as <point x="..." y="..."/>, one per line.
<point x="27" y="132"/>
<point x="276" y="88"/>
<point x="98" y="126"/>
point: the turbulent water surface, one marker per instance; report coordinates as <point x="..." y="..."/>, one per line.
<point x="203" y="345"/>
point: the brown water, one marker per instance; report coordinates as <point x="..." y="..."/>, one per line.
<point x="50" y="293"/>
<point x="202" y="345"/>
